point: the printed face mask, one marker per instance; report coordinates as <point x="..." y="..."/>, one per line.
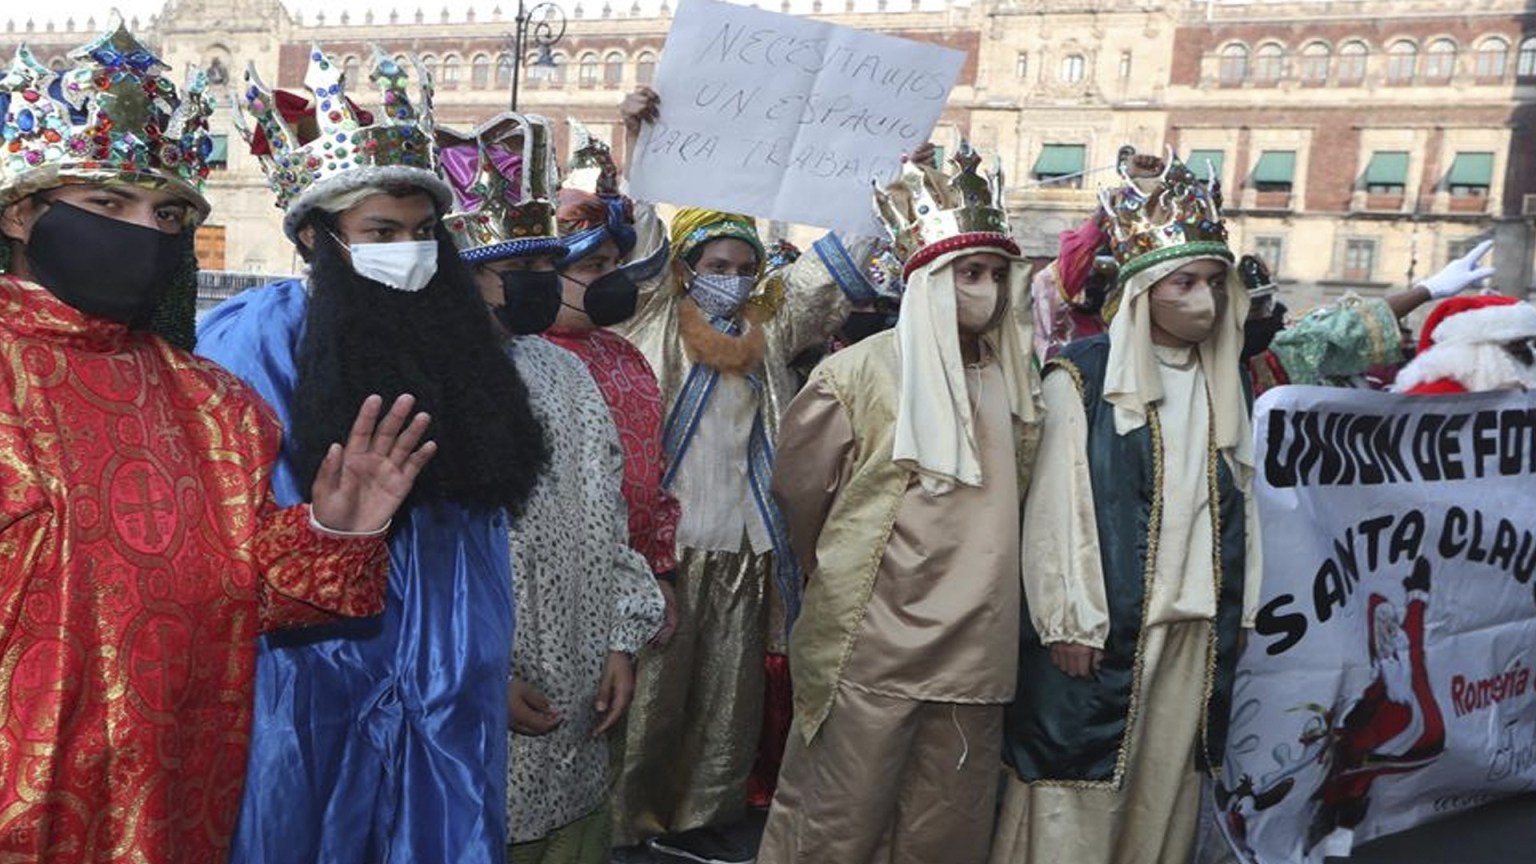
<point x="142" y="262"/>
<point x="720" y="295"/>
<point x="407" y="266"/>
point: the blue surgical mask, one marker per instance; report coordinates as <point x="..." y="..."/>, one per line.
<point x="720" y="295"/>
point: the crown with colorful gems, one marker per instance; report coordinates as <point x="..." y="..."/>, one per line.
<point x="1175" y="215"/>
<point x="929" y="213"/>
<point x="503" y="177"/>
<point x="111" y="117"/>
<point x="331" y="146"/>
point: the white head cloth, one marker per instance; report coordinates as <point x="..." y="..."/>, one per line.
<point x="1131" y="382"/>
<point x="935" y="435"/>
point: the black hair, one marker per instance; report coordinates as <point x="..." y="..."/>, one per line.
<point x="437" y="344"/>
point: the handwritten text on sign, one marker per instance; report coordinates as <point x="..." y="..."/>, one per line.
<point x="783" y="117"/>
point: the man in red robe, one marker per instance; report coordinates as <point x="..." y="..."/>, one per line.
<point x="141" y="552"/>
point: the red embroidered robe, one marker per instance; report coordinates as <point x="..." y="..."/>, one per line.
<point x="141" y="555"/>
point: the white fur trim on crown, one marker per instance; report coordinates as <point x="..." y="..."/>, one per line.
<point x="1475" y="366"/>
<point x="1488" y="324"/>
<point x="357" y="178"/>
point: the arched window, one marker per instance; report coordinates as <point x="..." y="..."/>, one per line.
<point x="429" y="65"/>
<point x="587" y="72"/>
<point x="1073" y="67"/>
<point x="1234" y="64"/>
<point x="1492" y="56"/>
<point x="504" y="70"/>
<point x="645" y="68"/>
<point x="452" y="71"/>
<point x="1440" y="61"/>
<point x="349" y="70"/>
<point x="557" y="77"/>
<point x="1402" y="62"/>
<point x="1525" y="63"/>
<point x="1269" y="63"/>
<point x="480" y="72"/>
<point x="613" y="69"/>
<point x="1315" y="59"/>
<point x="1352" y="59"/>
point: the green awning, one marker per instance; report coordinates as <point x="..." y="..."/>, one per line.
<point x="1275" y="166"/>
<point x="1058" y="159"/>
<point x="1471" y="169"/>
<point x="1199" y="159"/>
<point x="1387" y="168"/>
<point x="219" y="155"/>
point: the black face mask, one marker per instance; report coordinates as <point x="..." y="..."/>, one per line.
<point x="1259" y="332"/>
<point x="609" y="299"/>
<point x="104" y="267"/>
<point x="862" y="325"/>
<point x="532" y="300"/>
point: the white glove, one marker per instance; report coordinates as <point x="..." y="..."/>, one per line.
<point x="1460" y="274"/>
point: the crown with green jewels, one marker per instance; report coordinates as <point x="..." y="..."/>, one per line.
<point x="112" y="116"/>
<point x="331" y="146"/>
<point x="1174" y="215"/>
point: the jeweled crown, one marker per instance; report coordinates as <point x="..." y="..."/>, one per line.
<point x="591" y="167"/>
<point x="927" y="212"/>
<point x="1174" y="215"/>
<point x="329" y="144"/>
<point x="504" y="178"/>
<point x="113" y="115"/>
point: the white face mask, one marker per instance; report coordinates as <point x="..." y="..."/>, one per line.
<point x="402" y="266"/>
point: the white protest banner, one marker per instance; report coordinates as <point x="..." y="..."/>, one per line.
<point x="784" y="117"/>
<point x="1389" y="678"/>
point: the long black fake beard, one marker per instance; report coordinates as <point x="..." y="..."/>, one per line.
<point x="437" y="344"/>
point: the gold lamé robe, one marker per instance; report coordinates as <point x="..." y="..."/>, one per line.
<point x="693" y="728"/>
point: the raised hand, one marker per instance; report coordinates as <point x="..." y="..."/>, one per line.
<point x="640" y="106"/>
<point x="923" y="155"/>
<point x="361" y="484"/>
<point x="1460" y="274"/>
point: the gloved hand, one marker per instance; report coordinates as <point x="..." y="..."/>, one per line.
<point x="1460" y="274"/>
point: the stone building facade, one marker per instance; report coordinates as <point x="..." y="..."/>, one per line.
<point x="1360" y="143"/>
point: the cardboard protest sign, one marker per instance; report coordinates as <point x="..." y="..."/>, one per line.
<point x="784" y="117"/>
<point x="1389" y="680"/>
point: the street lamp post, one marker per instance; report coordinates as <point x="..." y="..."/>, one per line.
<point x="542" y="24"/>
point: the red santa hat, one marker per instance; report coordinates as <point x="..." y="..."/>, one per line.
<point x="1459" y="346"/>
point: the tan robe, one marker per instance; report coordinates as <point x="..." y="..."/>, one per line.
<point x="904" y="768"/>
<point x="1152" y="817"/>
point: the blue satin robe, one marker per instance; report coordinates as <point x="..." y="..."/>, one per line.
<point x="381" y="739"/>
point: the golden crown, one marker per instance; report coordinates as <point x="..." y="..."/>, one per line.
<point x="504" y="177"/>
<point x="928" y="213"/>
<point x="111" y="116"/>
<point x="1173" y="215"/>
<point x="312" y="149"/>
